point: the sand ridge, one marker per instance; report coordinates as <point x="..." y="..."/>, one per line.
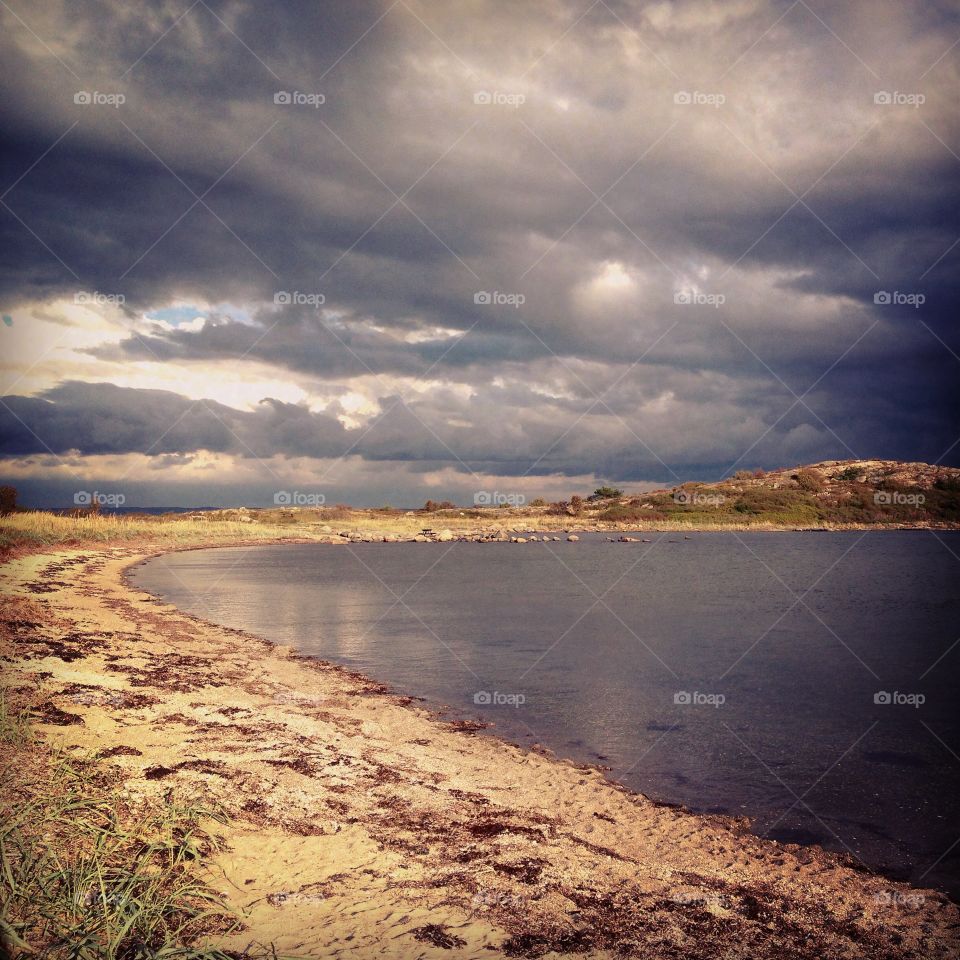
<point x="362" y="825"/>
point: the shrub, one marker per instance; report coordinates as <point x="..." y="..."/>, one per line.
<point x="949" y="483"/>
<point x="431" y="507"/>
<point x="606" y="493"/>
<point x="576" y="505"/>
<point x="539" y="502"/>
<point x="8" y="500"/>
<point x="559" y="508"/>
<point x="743" y="475"/>
<point x="809" y="479"/>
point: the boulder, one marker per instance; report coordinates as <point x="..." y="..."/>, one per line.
<point x="573" y="538"/>
<point x="445" y="536"/>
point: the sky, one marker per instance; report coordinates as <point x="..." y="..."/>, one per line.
<point x="379" y="252"/>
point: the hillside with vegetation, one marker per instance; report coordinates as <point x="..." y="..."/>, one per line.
<point x="831" y="493"/>
<point x="834" y="494"/>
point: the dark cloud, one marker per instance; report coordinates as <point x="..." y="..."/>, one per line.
<point x="598" y="200"/>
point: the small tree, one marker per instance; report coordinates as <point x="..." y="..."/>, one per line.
<point x="606" y="493"/>
<point x="8" y="500"/>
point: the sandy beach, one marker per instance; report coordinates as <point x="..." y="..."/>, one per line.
<point x="360" y="824"/>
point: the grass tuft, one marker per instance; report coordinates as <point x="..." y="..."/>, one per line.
<point x="88" y="874"/>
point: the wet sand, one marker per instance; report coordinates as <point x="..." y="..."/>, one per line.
<point x="362" y="825"/>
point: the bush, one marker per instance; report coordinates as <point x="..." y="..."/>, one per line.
<point x="539" y="502"/>
<point x="743" y="475"/>
<point x="949" y="483"/>
<point x="624" y="513"/>
<point x="809" y="479"/>
<point x="8" y="500"/>
<point x="431" y="507"/>
<point x="559" y="508"/>
<point x="606" y="493"/>
<point x="576" y="505"/>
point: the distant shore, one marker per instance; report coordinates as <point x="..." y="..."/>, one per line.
<point x="357" y="818"/>
<point x="27" y="531"/>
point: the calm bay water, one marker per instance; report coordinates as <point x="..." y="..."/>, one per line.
<point x="736" y="673"/>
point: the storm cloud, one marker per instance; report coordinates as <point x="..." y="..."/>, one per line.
<point x="638" y="242"/>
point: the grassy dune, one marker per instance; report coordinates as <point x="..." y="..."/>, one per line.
<point x="39" y="528"/>
<point x="87" y="873"/>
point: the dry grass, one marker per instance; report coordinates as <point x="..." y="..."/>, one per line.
<point x="38" y="528"/>
<point x="86" y="874"/>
